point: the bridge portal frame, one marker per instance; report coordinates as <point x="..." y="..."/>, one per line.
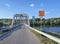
<point x="20" y="19"/>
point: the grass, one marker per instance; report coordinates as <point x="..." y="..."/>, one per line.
<point x="43" y="39"/>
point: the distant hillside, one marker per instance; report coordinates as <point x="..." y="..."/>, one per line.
<point x="6" y="21"/>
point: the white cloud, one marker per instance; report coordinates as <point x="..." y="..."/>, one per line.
<point x="32" y="5"/>
<point x="47" y="12"/>
<point x="7" y="5"/>
<point x="41" y="9"/>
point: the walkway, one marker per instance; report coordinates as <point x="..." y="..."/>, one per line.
<point x="21" y="36"/>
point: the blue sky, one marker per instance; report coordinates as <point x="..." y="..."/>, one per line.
<point x="31" y="7"/>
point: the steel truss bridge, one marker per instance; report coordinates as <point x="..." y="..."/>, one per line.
<point x="20" y="32"/>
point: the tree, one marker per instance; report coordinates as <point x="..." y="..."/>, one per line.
<point x="1" y="24"/>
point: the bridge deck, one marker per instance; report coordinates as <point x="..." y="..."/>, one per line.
<point x="21" y="36"/>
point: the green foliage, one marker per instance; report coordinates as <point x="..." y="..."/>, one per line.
<point x="5" y="31"/>
<point x="1" y="24"/>
<point x="6" y="22"/>
<point x="46" y="22"/>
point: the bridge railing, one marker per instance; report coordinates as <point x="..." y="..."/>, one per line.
<point x="45" y="34"/>
<point x="6" y="34"/>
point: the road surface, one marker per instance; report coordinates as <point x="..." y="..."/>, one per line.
<point x="21" y="36"/>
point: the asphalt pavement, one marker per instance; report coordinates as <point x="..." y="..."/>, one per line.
<point x="21" y="36"/>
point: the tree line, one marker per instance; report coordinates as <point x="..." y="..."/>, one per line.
<point x="46" y="22"/>
<point x="5" y="22"/>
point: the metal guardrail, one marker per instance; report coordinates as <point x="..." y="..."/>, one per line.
<point x="2" y="36"/>
<point x="6" y="34"/>
<point x="45" y="34"/>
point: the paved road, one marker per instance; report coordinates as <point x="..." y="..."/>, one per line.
<point x="21" y="36"/>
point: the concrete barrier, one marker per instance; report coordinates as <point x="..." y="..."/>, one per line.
<point x="45" y="34"/>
